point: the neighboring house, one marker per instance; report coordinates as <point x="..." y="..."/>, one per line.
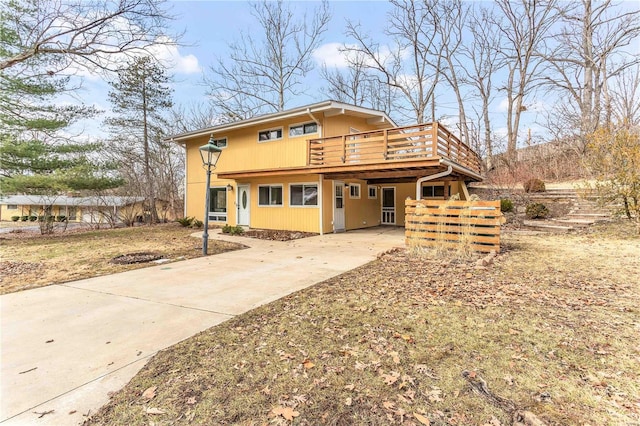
<point x="326" y="167"/>
<point x="78" y="209"/>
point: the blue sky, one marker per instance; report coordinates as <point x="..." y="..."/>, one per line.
<point x="209" y="25"/>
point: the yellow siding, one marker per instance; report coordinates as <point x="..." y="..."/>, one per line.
<point x="403" y="190"/>
<point x="361" y="212"/>
<point x="342" y="124"/>
<point x="285" y="217"/>
<point x="196" y="199"/>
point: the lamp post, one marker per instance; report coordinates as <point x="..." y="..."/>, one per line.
<point x="210" y="154"/>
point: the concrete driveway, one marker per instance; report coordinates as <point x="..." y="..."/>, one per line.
<point x="65" y="347"/>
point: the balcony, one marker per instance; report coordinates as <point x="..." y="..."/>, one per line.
<point x="417" y="147"/>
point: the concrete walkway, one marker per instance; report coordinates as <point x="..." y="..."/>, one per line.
<point x="65" y="347"/>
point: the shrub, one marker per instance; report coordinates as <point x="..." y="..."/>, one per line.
<point x="196" y="223"/>
<point x="506" y="205"/>
<point x="185" y="221"/>
<point x="24" y="218"/>
<point x="233" y="230"/>
<point x="237" y="230"/>
<point x="45" y="218"/>
<point x="534" y="185"/>
<point x="61" y="218"/>
<point x="33" y="218"/>
<point x="537" y="211"/>
<point x="15" y="218"/>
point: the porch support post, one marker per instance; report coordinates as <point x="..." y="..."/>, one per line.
<point x="465" y="191"/>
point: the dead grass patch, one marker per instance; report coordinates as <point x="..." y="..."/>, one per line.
<point x="551" y="327"/>
<point x="32" y="260"/>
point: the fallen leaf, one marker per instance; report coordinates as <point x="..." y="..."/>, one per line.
<point x="390" y="379"/>
<point x="350" y="387"/>
<point x="308" y="364"/>
<point x="150" y="393"/>
<point x="422" y="419"/>
<point x="348" y="401"/>
<point x="191" y="400"/>
<point x="153" y="410"/>
<point x="389" y="405"/>
<point x="287" y="412"/>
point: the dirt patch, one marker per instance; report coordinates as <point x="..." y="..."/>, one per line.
<point x="128" y="259"/>
<point x="274" y="235"/>
<point x="14" y="268"/>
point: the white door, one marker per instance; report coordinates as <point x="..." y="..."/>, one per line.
<point x="244" y="201"/>
<point x="388" y="206"/>
<point x="338" y="206"/>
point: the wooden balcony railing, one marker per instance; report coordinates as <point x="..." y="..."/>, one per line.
<point x="410" y="143"/>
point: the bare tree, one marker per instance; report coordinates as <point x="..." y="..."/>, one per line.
<point x="262" y="73"/>
<point x="524" y="26"/>
<point x="625" y="96"/>
<point x="411" y="67"/>
<point x="589" y="51"/>
<point x="452" y="18"/>
<point x="357" y="86"/>
<point x="482" y="59"/>
<point x="92" y="34"/>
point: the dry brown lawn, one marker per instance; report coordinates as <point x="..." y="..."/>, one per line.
<point x="549" y="330"/>
<point x="30" y="260"/>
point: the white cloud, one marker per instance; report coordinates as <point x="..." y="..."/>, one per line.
<point x="169" y="55"/>
<point x="329" y="54"/>
<point x="503" y="105"/>
<point x="333" y="56"/>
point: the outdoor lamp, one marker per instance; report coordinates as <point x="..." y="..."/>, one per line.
<point x="210" y="154"/>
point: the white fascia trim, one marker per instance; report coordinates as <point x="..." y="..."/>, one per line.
<point x="296" y="112"/>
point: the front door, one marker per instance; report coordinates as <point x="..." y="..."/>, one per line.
<point x="244" y="201"/>
<point x="388" y="206"/>
<point x="338" y="206"/>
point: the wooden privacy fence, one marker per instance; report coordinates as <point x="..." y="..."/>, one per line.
<point x="465" y="225"/>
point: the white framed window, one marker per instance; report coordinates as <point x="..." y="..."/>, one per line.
<point x="354" y="190"/>
<point x="433" y="191"/>
<point x="220" y="142"/>
<point x="270" y="195"/>
<point x="218" y="203"/>
<point x="303" y="194"/>
<point x="270" y="135"/>
<point x="303" y="129"/>
<point x="372" y="192"/>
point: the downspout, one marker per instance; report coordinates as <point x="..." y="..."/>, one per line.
<point x="432" y="177"/>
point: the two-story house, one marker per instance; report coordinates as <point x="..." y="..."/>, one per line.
<point x="326" y="167"/>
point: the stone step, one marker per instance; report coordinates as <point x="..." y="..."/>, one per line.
<point x="548" y="226"/>
<point x="591" y="216"/>
<point x="575" y="223"/>
<point x="589" y="211"/>
<point x="553" y="194"/>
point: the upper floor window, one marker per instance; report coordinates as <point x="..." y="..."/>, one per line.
<point x="303" y="129"/>
<point x="220" y="143"/>
<point x="270" y="135"/>
<point x="12" y="207"/>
